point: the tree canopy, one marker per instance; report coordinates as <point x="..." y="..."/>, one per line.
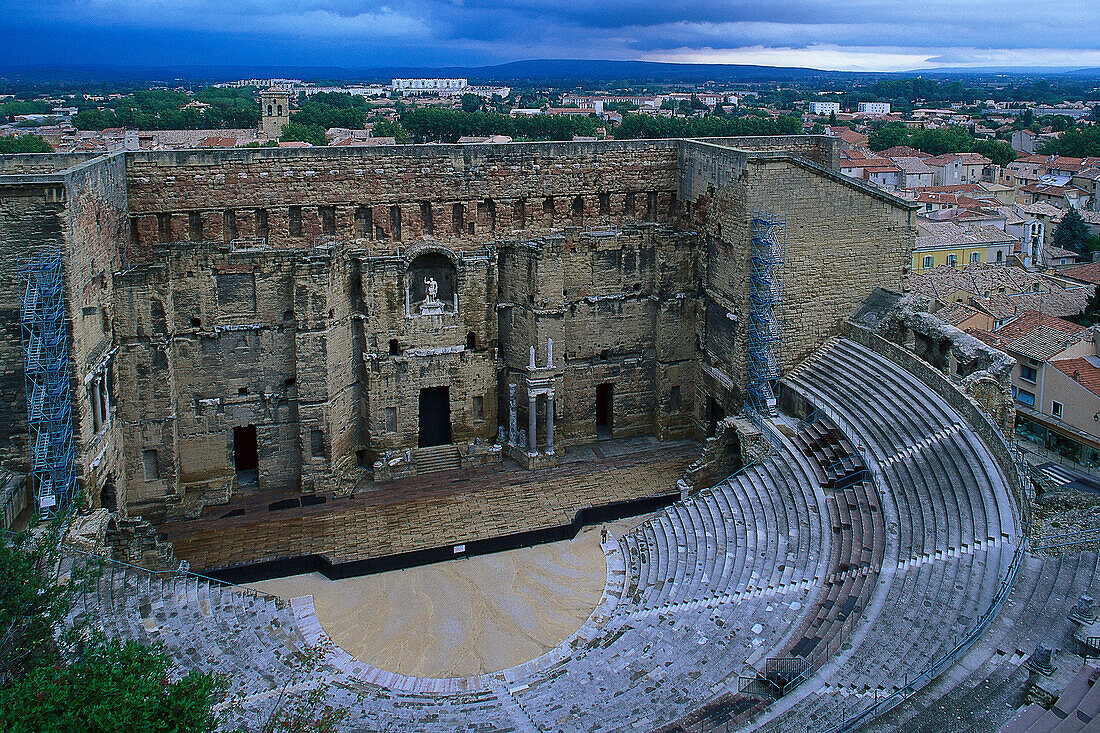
<point x="295" y="131"/>
<point x="333" y="109"/>
<point x="430" y="124"/>
<point x="55" y="678"/>
<point x="24" y="144"/>
<point x="1072" y="233"/>
<point x="648" y="126"/>
<point x="160" y="109"/>
<point x="941" y="141"/>
<point x="1077" y="143"/>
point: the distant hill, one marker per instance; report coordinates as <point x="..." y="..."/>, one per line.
<point x="540" y="70"/>
<point x="546" y="71"/>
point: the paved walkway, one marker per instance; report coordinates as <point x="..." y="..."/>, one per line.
<point x="429" y="511"/>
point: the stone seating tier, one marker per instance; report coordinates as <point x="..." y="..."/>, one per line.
<point x="762" y="565"/>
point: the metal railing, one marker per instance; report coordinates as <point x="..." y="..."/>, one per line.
<point x="1065" y="539"/>
<point x="931" y="671"/>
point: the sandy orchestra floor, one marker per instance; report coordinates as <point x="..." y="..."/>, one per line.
<point x="463" y="617"/>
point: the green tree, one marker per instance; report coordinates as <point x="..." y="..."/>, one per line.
<point x="294" y="131"/>
<point x="24" y="144"/>
<point x="113" y="687"/>
<point x="998" y="151"/>
<point x="1082" y="143"/>
<point x="56" y="678"/>
<point x="471" y="103"/>
<point x="1072" y="233"/>
<point x="385" y="128"/>
<point x="888" y="136"/>
<point x="1090" y="316"/>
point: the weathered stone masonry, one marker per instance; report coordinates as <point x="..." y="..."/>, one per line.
<point x="281" y="301"/>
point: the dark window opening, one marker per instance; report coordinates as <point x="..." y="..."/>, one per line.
<point x="548" y="205"/>
<point x="672" y="203"/>
<point x="717" y="414"/>
<point x="628" y="205"/>
<point x="195" y="323"/>
<point x="360" y="458"/>
<point x="395" y="348"/>
<point x="651" y="205"/>
<point x="605" y="203"/>
<point x="674" y="398"/>
<point x="229" y="225"/>
<point x="479" y="408"/>
<point x="471" y="341"/>
<point x="107" y="495"/>
<point x="458" y="217"/>
<point x="487" y="212"/>
<point x="603" y="355"/>
<point x="317" y="443"/>
<point x="194" y="225"/>
<point x="288" y="382"/>
<point x="578" y="206"/>
<point x="328" y="219"/>
<point x="151" y="464"/>
<point x="470" y="228"/>
<point x="294" y="219"/>
<point x="395" y="221"/>
<point x="605" y="397"/>
<point x="261" y="223"/>
<point x="164" y="227"/>
<point x="242" y="391"/>
<point x="288" y="315"/>
<point x="246" y="455"/>
<point x="364" y="223"/>
<point x="519" y="213"/>
<point x="434" y="416"/>
<point x="426" y="216"/>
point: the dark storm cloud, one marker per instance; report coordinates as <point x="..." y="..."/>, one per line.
<point x="354" y="33"/>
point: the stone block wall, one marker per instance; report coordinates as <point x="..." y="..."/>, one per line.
<point x="631" y="256"/>
<point x="96" y="228"/>
<point x="31" y="221"/>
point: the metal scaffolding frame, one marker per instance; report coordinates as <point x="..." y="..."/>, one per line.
<point x="764" y="335"/>
<point x="46" y="378"/>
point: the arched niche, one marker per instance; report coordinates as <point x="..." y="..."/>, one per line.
<point x="424" y="270"/>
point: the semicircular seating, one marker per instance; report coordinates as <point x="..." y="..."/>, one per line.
<point x="951" y="519"/>
<point x="767" y="564"/>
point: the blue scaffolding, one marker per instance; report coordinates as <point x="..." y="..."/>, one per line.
<point x="765" y="331"/>
<point x="46" y="377"/>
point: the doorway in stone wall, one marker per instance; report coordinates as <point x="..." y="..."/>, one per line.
<point x="605" y="402"/>
<point x="435" y="417"/>
<point x="246" y="454"/>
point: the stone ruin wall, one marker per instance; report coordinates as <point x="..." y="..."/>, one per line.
<point x="842" y="239"/>
<point x="310" y="339"/>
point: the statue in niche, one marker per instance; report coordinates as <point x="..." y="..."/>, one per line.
<point x="431" y="305"/>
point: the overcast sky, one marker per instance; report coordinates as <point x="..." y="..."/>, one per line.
<point x="826" y="34"/>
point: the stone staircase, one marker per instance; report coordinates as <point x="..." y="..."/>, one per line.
<point x="437" y="458"/>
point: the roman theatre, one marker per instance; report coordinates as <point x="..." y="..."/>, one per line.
<point x="604" y="436"/>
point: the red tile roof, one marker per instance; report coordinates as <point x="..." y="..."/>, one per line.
<point x="1031" y="320"/>
<point x="1089" y="273"/>
<point x="1081" y="370"/>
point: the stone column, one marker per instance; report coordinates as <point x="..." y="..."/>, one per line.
<point x="531" y="364"/>
<point x="105" y="400"/>
<point x="512" y="436"/>
<point x="93" y="392"/>
<point x="549" y="353"/>
<point x="550" y="423"/>
<point x="532" y="426"/>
